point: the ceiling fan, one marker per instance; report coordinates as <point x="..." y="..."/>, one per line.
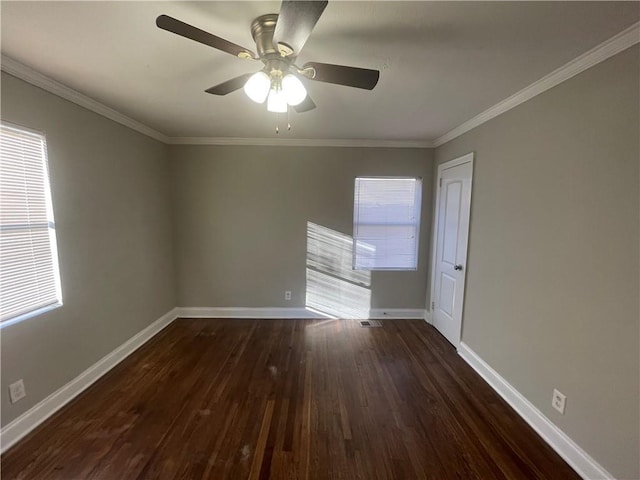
<point x="279" y="39"/>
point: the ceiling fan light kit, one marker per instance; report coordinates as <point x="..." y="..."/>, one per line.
<point x="293" y="90"/>
<point x="277" y="101"/>
<point x="280" y="91"/>
<point x="279" y="39"/>
<point x="257" y="87"/>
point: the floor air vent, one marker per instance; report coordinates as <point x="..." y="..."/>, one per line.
<point x="370" y="323"/>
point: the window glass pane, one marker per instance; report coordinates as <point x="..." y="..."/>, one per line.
<point x="386" y="223"/>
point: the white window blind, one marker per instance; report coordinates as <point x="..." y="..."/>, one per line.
<point x="386" y="223"/>
<point x="29" y="277"/>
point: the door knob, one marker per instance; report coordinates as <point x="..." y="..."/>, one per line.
<point x="457" y="267"/>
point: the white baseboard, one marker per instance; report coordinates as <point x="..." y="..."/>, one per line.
<point x="586" y="466"/>
<point x="245" y="312"/>
<point x="33" y="417"/>
<point x="400" y="313"/>
<point x="292" y="313"/>
<point x="575" y="456"/>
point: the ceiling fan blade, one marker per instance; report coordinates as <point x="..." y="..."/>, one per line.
<point x="230" y="85"/>
<point x="342" y="75"/>
<point x="173" y="25"/>
<point x="306" y="105"/>
<point x="295" y="23"/>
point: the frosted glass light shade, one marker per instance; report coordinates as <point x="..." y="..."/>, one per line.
<point x="293" y="89"/>
<point x="277" y="101"/>
<point x="257" y="87"/>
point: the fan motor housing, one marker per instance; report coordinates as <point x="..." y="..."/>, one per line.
<point x="262" y="29"/>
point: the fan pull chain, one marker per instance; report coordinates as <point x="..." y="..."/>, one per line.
<point x="278" y="123"/>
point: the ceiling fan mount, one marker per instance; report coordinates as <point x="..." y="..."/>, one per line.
<point x="279" y="38"/>
<point x="262" y="29"/>
<point x="278" y="59"/>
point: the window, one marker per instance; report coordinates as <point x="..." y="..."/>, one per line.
<point x="29" y="276"/>
<point x="386" y="223"/>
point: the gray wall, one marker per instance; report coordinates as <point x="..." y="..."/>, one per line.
<point x="552" y="287"/>
<point x="111" y="193"/>
<point x="241" y="213"/>
<point x="552" y="284"/>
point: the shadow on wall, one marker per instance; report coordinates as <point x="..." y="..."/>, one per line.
<point x="334" y="288"/>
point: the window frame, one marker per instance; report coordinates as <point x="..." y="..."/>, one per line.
<point x="417" y="224"/>
<point x="51" y="230"/>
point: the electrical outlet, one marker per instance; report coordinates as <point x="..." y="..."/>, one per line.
<point x="558" y="401"/>
<point x="17" y="391"/>
<point x="287" y="295"/>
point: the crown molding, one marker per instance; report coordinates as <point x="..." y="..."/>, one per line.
<point x="29" y="75"/>
<point x="623" y="40"/>
<point x="300" y="142"/>
<point x="616" y="44"/>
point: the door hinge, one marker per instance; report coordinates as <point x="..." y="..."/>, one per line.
<point x="440" y="184"/>
<point x="433" y="305"/>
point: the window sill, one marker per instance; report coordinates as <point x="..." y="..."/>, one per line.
<point x="26" y="316"/>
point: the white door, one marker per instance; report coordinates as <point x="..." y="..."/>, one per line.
<point x="450" y="260"/>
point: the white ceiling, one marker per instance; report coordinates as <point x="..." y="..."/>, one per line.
<point x="441" y="62"/>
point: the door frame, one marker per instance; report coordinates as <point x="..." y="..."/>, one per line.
<point x="467" y="158"/>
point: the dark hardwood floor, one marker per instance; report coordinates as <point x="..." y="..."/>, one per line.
<point x="287" y="399"/>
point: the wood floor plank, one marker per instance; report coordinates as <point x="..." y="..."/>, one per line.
<point x="288" y="399"/>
